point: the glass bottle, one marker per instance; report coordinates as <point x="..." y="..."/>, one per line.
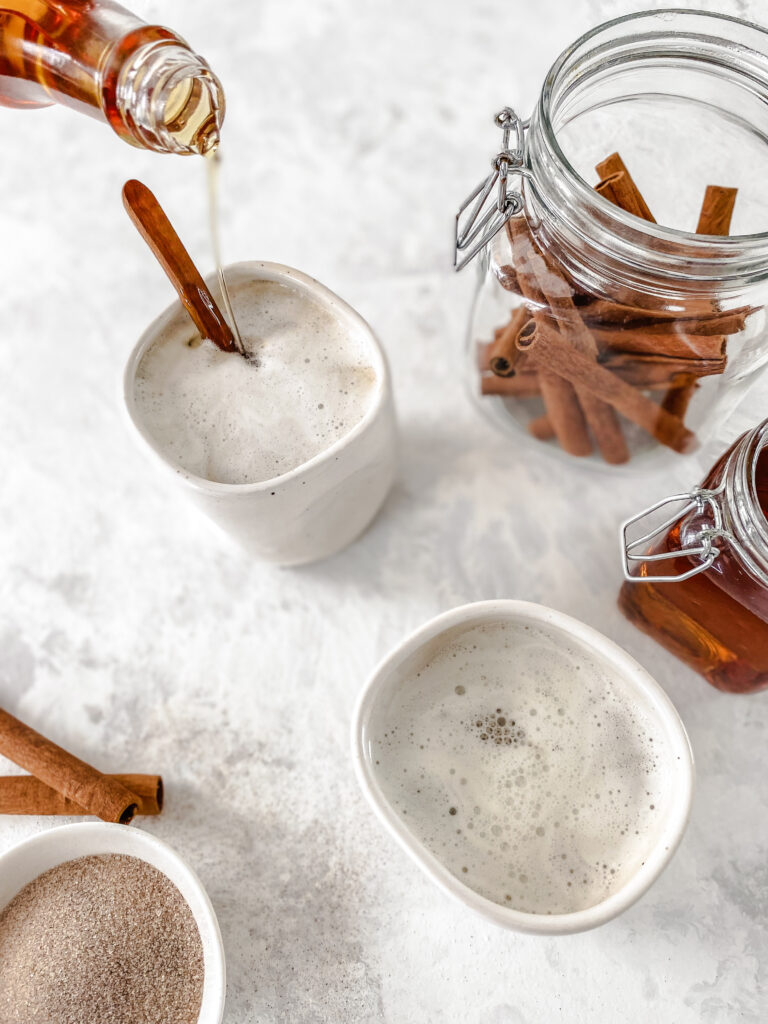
<point x="698" y="581"/>
<point x="597" y="331"/>
<point x="99" y="58"/>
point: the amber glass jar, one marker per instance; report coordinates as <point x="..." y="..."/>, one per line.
<point x="623" y="242"/>
<point x="698" y="580"/>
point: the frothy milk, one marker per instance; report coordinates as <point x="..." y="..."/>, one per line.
<point x="535" y="778"/>
<point x="235" y="421"/>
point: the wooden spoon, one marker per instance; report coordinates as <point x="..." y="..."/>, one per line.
<point x="157" y="231"/>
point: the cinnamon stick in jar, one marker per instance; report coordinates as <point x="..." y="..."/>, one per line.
<point x="624" y="189"/>
<point x="645" y="370"/>
<point x="696" y="317"/>
<point x="26" y="794"/>
<point x="668" y="346"/>
<point x="548" y="288"/>
<point x="96" y="793"/>
<point x="714" y="219"/>
<point x="504" y="353"/>
<point x="547" y="348"/>
<point x="650" y="374"/>
<point x="716" y="210"/>
<point x="522" y="385"/>
<point x="565" y="412"/>
<point x="541" y="428"/>
<point x="619" y="189"/>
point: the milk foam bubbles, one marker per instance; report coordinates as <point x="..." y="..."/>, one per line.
<point x="230" y="420"/>
<point x="534" y="776"/>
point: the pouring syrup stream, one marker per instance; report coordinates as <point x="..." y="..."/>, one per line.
<point x="212" y="161"/>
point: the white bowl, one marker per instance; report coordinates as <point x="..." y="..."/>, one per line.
<point x="610" y="657"/>
<point x="30" y="858"/>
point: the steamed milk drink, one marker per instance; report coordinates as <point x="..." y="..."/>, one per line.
<point x="532" y="775"/>
<point x="307" y="383"/>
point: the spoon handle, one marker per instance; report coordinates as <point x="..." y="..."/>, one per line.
<point x="157" y="231"/>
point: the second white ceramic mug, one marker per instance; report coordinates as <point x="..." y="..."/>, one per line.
<point x="320" y="507"/>
<point x="639" y="686"/>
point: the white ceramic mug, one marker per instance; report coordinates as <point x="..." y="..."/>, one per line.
<point x="320" y="507"/>
<point x="609" y="657"/>
<point x="24" y="862"/>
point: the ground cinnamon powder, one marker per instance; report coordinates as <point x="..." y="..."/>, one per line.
<point x="104" y="939"/>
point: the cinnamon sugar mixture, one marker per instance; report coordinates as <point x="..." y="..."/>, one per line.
<point x="104" y="939"/>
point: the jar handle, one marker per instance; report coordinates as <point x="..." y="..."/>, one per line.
<point x="698" y="500"/>
<point x="477" y="228"/>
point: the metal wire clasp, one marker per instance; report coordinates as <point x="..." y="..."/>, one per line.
<point x="484" y="222"/>
<point x="698" y="501"/>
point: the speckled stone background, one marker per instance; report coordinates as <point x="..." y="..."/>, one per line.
<point x="132" y="633"/>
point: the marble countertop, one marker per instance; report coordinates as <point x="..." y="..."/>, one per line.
<point x="132" y="634"/>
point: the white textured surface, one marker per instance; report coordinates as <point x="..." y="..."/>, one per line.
<point x="131" y="633"/>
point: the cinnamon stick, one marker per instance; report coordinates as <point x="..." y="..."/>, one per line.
<point x="716" y="210"/>
<point x="96" y="793"/>
<point x="619" y="189"/>
<point x="26" y="794"/>
<point x="695" y="318"/>
<point x="566" y="413"/>
<point x="548" y="348"/>
<point x="527" y="385"/>
<point x="507" y="276"/>
<point x="614" y="165"/>
<point x="650" y="374"/>
<point x="545" y="287"/>
<point x="649" y="370"/>
<point x="541" y="428"/>
<point x="546" y="283"/>
<point x="714" y="219"/>
<point x="671" y="346"/>
<point x="677" y="399"/>
<point x="504" y="352"/>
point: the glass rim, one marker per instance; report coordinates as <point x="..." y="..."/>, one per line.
<point x="710" y="246"/>
<point x="743" y="494"/>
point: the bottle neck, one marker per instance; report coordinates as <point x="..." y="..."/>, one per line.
<point x="166" y="98"/>
<point x="646" y="66"/>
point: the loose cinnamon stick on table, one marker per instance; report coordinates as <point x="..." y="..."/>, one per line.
<point x="547" y="347"/>
<point x="26" y="794"/>
<point x="614" y="165"/>
<point x="97" y="793"/>
<point x="504" y="353"/>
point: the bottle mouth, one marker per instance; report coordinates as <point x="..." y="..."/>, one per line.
<point x="718" y="66"/>
<point x="170" y="100"/>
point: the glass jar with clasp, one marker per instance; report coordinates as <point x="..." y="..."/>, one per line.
<point x="622" y="242"/>
<point x="696" y="569"/>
